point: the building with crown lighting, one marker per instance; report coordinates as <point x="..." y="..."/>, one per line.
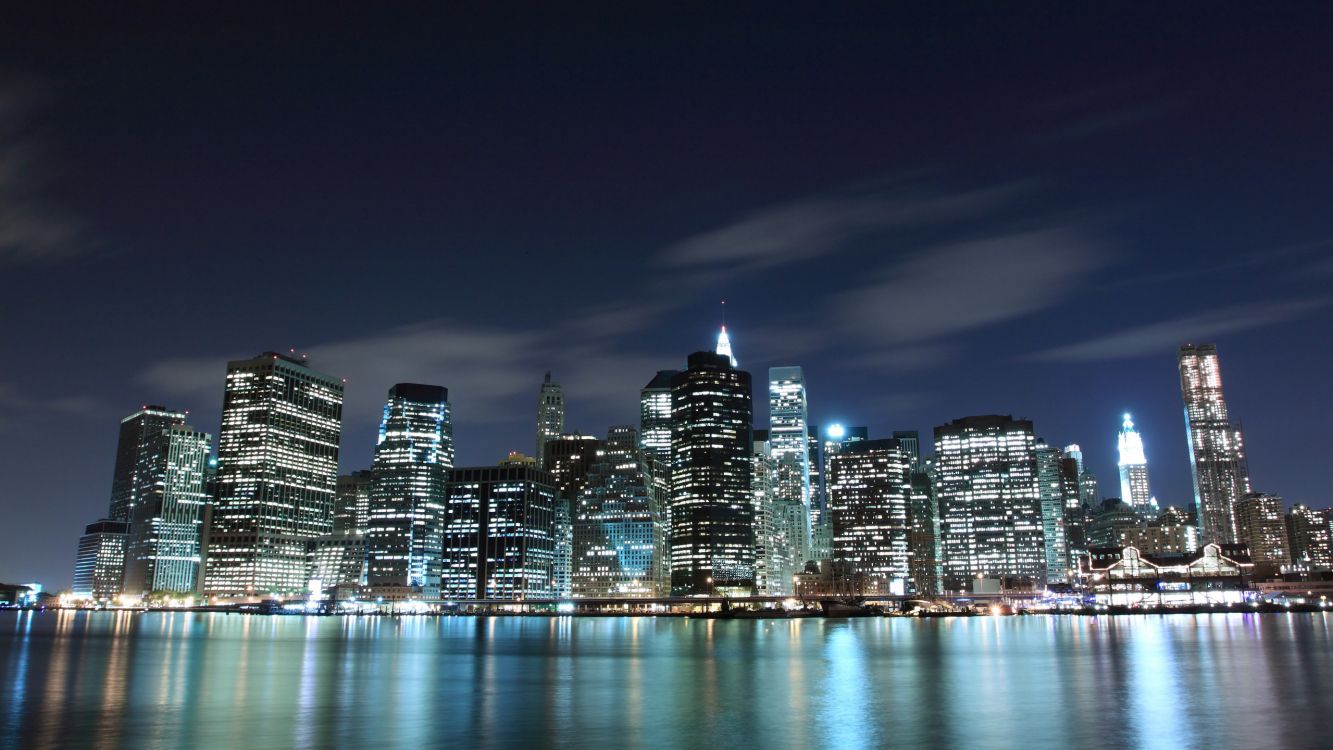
<point x="1133" y="464"/>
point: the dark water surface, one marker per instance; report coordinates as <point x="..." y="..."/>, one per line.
<point x="117" y="680"/>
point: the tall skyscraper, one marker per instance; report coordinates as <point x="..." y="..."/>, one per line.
<point x="821" y="523"/>
<point x="277" y="474"/>
<point x="870" y="494"/>
<point x="405" y="530"/>
<point x="569" y="459"/>
<point x="620" y="524"/>
<point x="135" y="461"/>
<point x="99" y="566"/>
<point x="788" y="437"/>
<point x="1134" y="471"/>
<point x="499" y="533"/>
<point x="655" y="417"/>
<point x="1051" y="489"/>
<point x="1260" y="524"/>
<point x="924" y="540"/>
<point x="990" y="510"/>
<point x="162" y="551"/>
<point x="1217" y="451"/>
<point x="550" y="416"/>
<point x="769" y="545"/>
<point x="712" y="513"/>
<point x="1076" y="511"/>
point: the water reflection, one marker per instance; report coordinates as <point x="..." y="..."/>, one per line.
<point x="119" y="680"/>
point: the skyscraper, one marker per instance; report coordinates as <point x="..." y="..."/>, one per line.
<point x="620" y="524"/>
<point x="405" y="528"/>
<point x="99" y="566"/>
<point x="550" y="416"/>
<point x="770" y="553"/>
<point x="277" y="473"/>
<point x="135" y="462"/>
<point x="788" y="438"/>
<point x="162" y="552"/>
<point x="499" y="533"/>
<point x="990" y="510"/>
<point x="1309" y="538"/>
<point x="1217" y="451"/>
<point x="870" y="493"/>
<point x="1134" y="471"/>
<point x="821" y="523"/>
<point x="1260" y="525"/>
<point x="569" y="459"/>
<point x="351" y="509"/>
<point x="712" y="513"/>
<point x="655" y="417"/>
<point x="1051" y="490"/>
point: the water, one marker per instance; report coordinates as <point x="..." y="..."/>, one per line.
<point x="118" y="680"/>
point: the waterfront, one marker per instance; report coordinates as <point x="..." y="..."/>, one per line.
<point x="111" y="680"/>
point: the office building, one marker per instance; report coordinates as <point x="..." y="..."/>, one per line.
<point x="1111" y="522"/>
<point x="1261" y="525"/>
<point x="1309" y="538"/>
<point x="277" y="475"/>
<point x="99" y="566"/>
<point x="499" y="540"/>
<point x="911" y="442"/>
<point x="620" y="524"/>
<point x="405" y="530"/>
<point x="870" y="496"/>
<point x="1171" y="533"/>
<point x="337" y="567"/>
<point x="924" y="539"/>
<point x="351" y="504"/>
<point x="1216" y="445"/>
<point x="568" y="459"/>
<point x="788" y="437"/>
<point x="162" y="552"/>
<point x="655" y="417"/>
<point x="990" y="509"/>
<point x="550" y="416"/>
<point x="136" y="457"/>
<point x="712" y="512"/>
<point x="1051" y="491"/>
<point x="1134" y="489"/>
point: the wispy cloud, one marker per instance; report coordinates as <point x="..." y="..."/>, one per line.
<point x="1166" y="335"/>
<point x="31" y="227"/>
<point x="819" y="225"/>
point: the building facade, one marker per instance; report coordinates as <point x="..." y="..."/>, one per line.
<point x="1217" y="450"/>
<point x="1309" y="538"/>
<point x="569" y="459"/>
<point x="550" y="416"/>
<point x="655" y="417"/>
<point x="1261" y="525"/>
<point x="351" y="504"/>
<point x="409" y="478"/>
<point x="788" y="440"/>
<point x="1134" y="488"/>
<point x="162" y="552"/>
<point x="712" y="512"/>
<point x="277" y="476"/>
<point x="137" y="459"/>
<point x="870" y="497"/>
<point x="1051" y="491"/>
<point x="99" y="566"/>
<point x="499" y="540"/>
<point x="990" y="509"/>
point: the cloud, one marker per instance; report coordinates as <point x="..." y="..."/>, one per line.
<point x="31" y="228"/>
<point x="963" y="286"/>
<point x="816" y="226"/>
<point x="1154" y="338"/>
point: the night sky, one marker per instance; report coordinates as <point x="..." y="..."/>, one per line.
<point x="937" y="212"/>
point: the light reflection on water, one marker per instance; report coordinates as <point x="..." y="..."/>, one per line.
<point x="119" y="680"/>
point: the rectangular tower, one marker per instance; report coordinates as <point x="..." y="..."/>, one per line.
<point x="499" y="533"/>
<point x="277" y="473"/>
<point x="870" y="495"/>
<point x="1217" y="451"/>
<point x="162" y="550"/>
<point x="100" y="564"/>
<point x="788" y="438"/>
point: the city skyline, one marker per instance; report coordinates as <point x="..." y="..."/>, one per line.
<point x="934" y="222"/>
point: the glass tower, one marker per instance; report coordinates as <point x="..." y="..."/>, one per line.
<point x="162" y="551"/>
<point x="712" y="513"/>
<point x="277" y="474"/>
<point x="655" y="417"/>
<point x="135" y="461"/>
<point x="788" y="440"/>
<point x="990" y="509"/>
<point x="405" y="527"/>
<point x="1051" y="490"/>
<point x="1134" y="471"/>
<point x="1217" y="452"/>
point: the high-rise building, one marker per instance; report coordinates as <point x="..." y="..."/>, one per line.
<point x="769" y="546"/>
<point x="277" y="475"/>
<point x="1171" y="533"/>
<point x="1217" y="451"/>
<point x="550" y="416"/>
<point x="136" y="462"/>
<point x="1261" y="525"/>
<point x="1134" y="488"/>
<point x="990" y="510"/>
<point x="911" y="442"/>
<point x="818" y="496"/>
<point x="655" y="417"/>
<point x="162" y="551"/>
<point x="1111" y="524"/>
<point x="1309" y="538"/>
<point x="870" y="495"/>
<point x="1051" y="489"/>
<point x="99" y="566"/>
<point x="405" y="530"/>
<point x="351" y="505"/>
<point x="788" y="437"/>
<point x="568" y="459"/>
<point x="1077" y="510"/>
<point x="712" y="510"/>
<point x="620" y="524"/>
<point x="924" y="540"/>
<point x="499" y="533"/>
<point x="821" y="522"/>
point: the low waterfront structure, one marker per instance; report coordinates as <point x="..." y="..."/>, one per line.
<point x="1124" y="576"/>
